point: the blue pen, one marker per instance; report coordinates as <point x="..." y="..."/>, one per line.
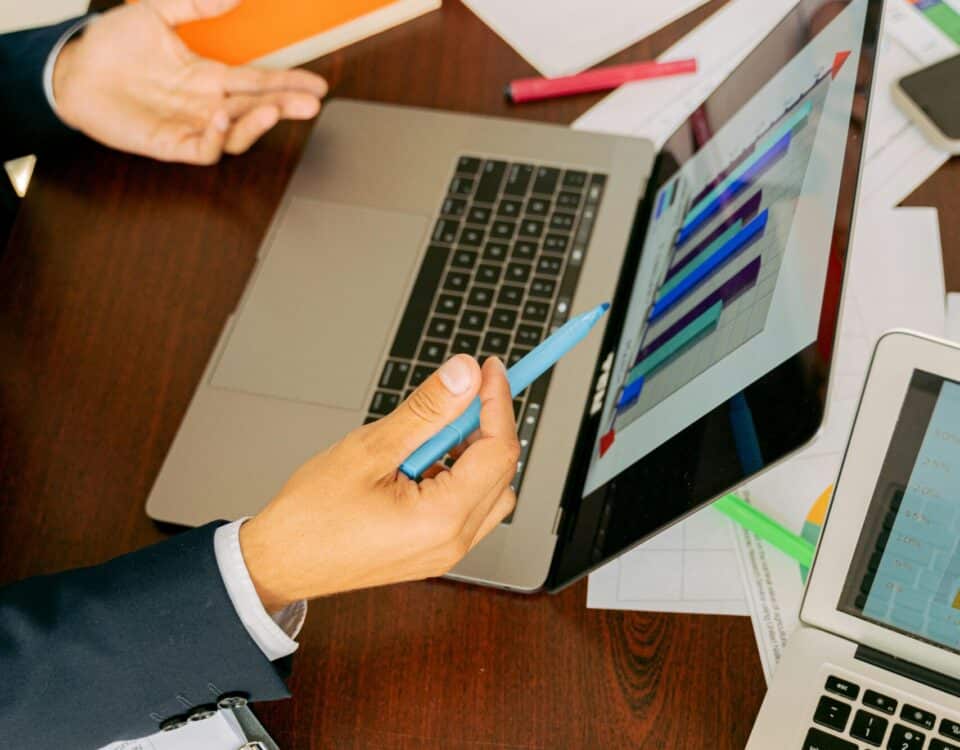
<point x="521" y="375"/>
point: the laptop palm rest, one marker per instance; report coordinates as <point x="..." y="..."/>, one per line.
<point x="319" y="311"/>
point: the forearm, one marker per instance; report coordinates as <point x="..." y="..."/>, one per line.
<point x="30" y="124"/>
<point x="121" y="647"/>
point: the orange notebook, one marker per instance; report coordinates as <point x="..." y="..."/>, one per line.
<point x="285" y="33"/>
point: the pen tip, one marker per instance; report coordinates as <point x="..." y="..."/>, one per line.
<point x="604" y="306"/>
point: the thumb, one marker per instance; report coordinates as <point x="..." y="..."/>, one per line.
<point x="176" y="12"/>
<point x="439" y="400"/>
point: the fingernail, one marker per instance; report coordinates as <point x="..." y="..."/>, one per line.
<point x="456" y="375"/>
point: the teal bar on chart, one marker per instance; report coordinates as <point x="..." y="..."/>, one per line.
<point x="703" y="323"/>
<point x="703" y="256"/>
<point x="792" y="123"/>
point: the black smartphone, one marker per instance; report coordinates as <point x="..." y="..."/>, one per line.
<point x="931" y="97"/>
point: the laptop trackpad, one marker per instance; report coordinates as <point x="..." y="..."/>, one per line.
<point x="314" y="321"/>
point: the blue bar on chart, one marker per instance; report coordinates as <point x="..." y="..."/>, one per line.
<point x="744" y="238"/>
<point x="660" y="201"/>
<point x="747" y="210"/>
<point x="773" y="148"/>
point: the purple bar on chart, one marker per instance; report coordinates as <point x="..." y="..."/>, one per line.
<point x="630" y="394"/>
<point x="773" y="154"/>
<point x="722" y="175"/>
<point x="740" y="282"/>
<point x="745" y="212"/>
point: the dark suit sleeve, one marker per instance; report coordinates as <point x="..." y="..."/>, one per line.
<point x="99" y="654"/>
<point x="29" y="124"/>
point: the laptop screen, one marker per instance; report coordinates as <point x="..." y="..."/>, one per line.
<point x="718" y="349"/>
<point x="905" y="573"/>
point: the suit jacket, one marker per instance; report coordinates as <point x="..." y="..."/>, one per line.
<point x="123" y="649"/>
<point x="29" y="124"/>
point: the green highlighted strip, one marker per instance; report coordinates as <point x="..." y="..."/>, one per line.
<point x="699" y="326"/>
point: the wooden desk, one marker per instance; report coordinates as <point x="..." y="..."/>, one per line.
<point x="115" y="285"/>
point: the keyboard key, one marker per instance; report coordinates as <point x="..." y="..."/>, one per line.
<point x="454" y="207"/>
<point x="446" y="231"/>
<point x="518" y="273"/>
<point x="549" y="266"/>
<point x="917" y="716"/>
<point x="432" y="351"/>
<point x="503" y="317"/>
<point x="574" y="179"/>
<point x="904" y="738"/>
<point x="480" y="296"/>
<point x="384" y="402"/>
<point x="420" y="373"/>
<point x="468" y="165"/>
<point x="473" y="320"/>
<point x="524" y="250"/>
<point x="464" y="259"/>
<point x="518" y="179"/>
<point x="491" y="175"/>
<point x="842" y="687"/>
<point x="543" y="288"/>
<point x="516" y="355"/>
<point x="832" y="713"/>
<point x="465" y="343"/>
<point x="880" y="702"/>
<point x="503" y="230"/>
<point x="538" y="206"/>
<point x="394" y="375"/>
<point x="950" y="729"/>
<point x="868" y="727"/>
<point x="368" y="420"/>
<point x="449" y="304"/>
<point x="556" y="243"/>
<point x="495" y="251"/>
<point x="478" y="215"/>
<point x="510" y="295"/>
<point x="488" y="274"/>
<point x="817" y="740"/>
<point x="531" y="228"/>
<point x="936" y="744"/>
<point x="568" y="200"/>
<point x="461" y="186"/>
<point x="419" y="302"/>
<point x="471" y="236"/>
<point x="561" y="222"/>
<point x="545" y="182"/>
<point x="456" y="281"/>
<point x="529" y="335"/>
<point x="495" y="342"/>
<point x="538" y="312"/>
<point x="440" y="328"/>
<point x="509" y="208"/>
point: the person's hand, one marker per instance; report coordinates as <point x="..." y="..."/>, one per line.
<point x="130" y="82"/>
<point x="348" y="519"/>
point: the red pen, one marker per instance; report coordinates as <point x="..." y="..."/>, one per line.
<point x="602" y="79"/>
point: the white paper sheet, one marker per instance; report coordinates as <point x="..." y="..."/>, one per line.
<point x="895" y="279"/>
<point x="220" y="732"/>
<point x="560" y="37"/>
<point x="690" y="567"/>
<point x="655" y="109"/>
<point x="899" y="158"/>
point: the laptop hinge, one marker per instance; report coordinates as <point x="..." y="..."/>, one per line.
<point x="903" y="668"/>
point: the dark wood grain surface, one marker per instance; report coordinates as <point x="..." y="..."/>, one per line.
<point x="117" y="279"/>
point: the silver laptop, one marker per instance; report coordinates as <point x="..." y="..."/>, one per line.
<point x="876" y="659"/>
<point x="408" y="235"/>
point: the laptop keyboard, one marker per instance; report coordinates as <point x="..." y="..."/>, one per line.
<point x="498" y="276"/>
<point x="847" y="720"/>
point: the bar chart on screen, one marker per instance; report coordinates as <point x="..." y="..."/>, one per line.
<point x="718" y="283"/>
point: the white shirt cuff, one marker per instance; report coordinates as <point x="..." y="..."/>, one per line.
<point x="274" y="635"/>
<point x="52" y="60"/>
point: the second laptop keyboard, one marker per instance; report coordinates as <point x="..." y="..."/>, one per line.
<point x="498" y="276"/>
